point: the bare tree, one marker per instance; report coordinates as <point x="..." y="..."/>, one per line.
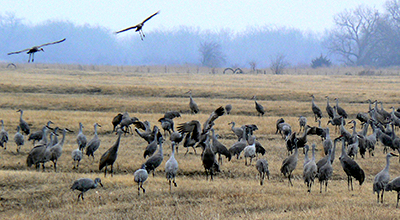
<point x="354" y="35"/>
<point x="278" y="63"/>
<point x="211" y="54"/>
<point x="253" y="65"/>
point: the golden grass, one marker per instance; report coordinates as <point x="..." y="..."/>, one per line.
<point x="71" y="94"/>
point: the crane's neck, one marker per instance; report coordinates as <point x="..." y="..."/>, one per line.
<point x="80" y="127"/>
<point x="63" y="137"/>
<point x="95" y="129"/>
<point x="343" y="149"/>
<point x="313" y="153"/>
<point x="118" y="141"/>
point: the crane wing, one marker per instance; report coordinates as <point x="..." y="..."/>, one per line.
<point x="55" y="42"/>
<point x="150" y="17"/>
<point x="16" y="52"/>
<point x="126" y="29"/>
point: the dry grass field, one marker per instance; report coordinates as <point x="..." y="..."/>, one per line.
<point x="71" y="94"/>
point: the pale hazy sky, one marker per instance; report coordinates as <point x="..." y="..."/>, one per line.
<point x="311" y="15"/>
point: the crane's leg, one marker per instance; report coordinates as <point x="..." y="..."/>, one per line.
<point x="170" y="185"/>
<point x="138" y="188"/>
<point x="176" y="185"/>
<point x="326" y="185"/>
<point x="398" y="197"/>
<point x="33" y="59"/>
<point x="320" y="187"/>
<point x="105" y="171"/>
<point x="29" y="58"/>
<point x="290" y="181"/>
<point x="382" y="196"/>
<point x="55" y="165"/>
<point x="141" y="185"/>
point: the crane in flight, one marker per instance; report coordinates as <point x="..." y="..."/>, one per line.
<point x="33" y="50"/>
<point x="139" y="26"/>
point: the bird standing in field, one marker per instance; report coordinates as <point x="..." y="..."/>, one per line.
<point x="140" y="176"/>
<point x="192" y="104"/>
<point x="19" y="139"/>
<point x="76" y="157"/>
<point x="33" y="50"/>
<point x="139" y="26"/>
<point x="382" y="178"/>
<point x="316" y="110"/>
<point x="259" y="107"/>
<point x="23" y="124"/>
<point x="110" y="156"/>
<point x="310" y="170"/>
<point x="81" y="138"/>
<point x="394" y="185"/>
<point x="262" y="168"/>
<point x="93" y="144"/>
<point x="290" y="163"/>
<point x="84" y="184"/>
<point x="351" y="168"/>
<point x="3" y="136"/>
<point x="171" y="167"/>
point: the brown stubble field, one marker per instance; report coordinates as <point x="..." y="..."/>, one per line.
<point x="68" y="95"/>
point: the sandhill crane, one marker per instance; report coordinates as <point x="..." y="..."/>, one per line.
<point x="283" y="128"/>
<point x="152" y="147"/>
<point x="81" y="138"/>
<point x="31" y="51"/>
<point x="250" y="150"/>
<point x="329" y="108"/>
<point x="138" y="26"/>
<point x="228" y="109"/>
<point x="23" y="124"/>
<point x="148" y="134"/>
<point x="3" y="136"/>
<point x="54" y="141"/>
<point x="192" y="104"/>
<point x="209" y="160"/>
<point x="140" y="176"/>
<point x="383" y="112"/>
<point x="38" y="135"/>
<point x="336" y="120"/>
<point x="171" y="168"/>
<point x="177" y="138"/>
<point x="219" y="148"/>
<point x="315" y="109"/>
<point x="18" y="139"/>
<point x="363" y="118"/>
<point x="302" y="123"/>
<point x="259" y="107"/>
<point x="325" y="172"/>
<point x="84" y="184"/>
<point x="306" y="159"/>
<point x="77" y="156"/>
<point x="172" y="114"/>
<point x="156" y="159"/>
<point x="262" y="168"/>
<point x="116" y="121"/>
<point x="351" y="168"/>
<point x="167" y="125"/>
<point x="323" y="160"/>
<point x="290" y="163"/>
<point x="237" y="130"/>
<point x="310" y="170"/>
<point x="56" y="150"/>
<point x="382" y="178"/>
<point x="394" y="185"/>
<point x="340" y="110"/>
<point x="352" y="149"/>
<point x="327" y="143"/>
<point x="37" y="154"/>
<point x="94" y="143"/>
<point x="110" y="156"/>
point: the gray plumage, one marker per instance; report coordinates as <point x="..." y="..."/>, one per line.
<point x="262" y="168"/>
<point x="325" y="173"/>
<point x="259" y="107"/>
<point x="56" y="150"/>
<point x="155" y="161"/>
<point x="290" y="163"/>
<point x="238" y="131"/>
<point x="3" y="136"/>
<point x="219" y="148"/>
<point x="23" y="124"/>
<point x="94" y="143"/>
<point x="126" y="122"/>
<point x="329" y="108"/>
<point x="306" y="159"/>
<point x="351" y="168"/>
<point x="177" y="138"/>
<point x="167" y="125"/>
<point x="171" y="168"/>
<point x="283" y="128"/>
<point x="81" y="139"/>
<point x="77" y="157"/>
<point x="250" y="150"/>
<point x="172" y="114"/>
<point x="302" y="123"/>
<point x="315" y="109"/>
<point x="19" y="139"/>
<point x="382" y="178"/>
<point x="209" y="161"/>
<point x="394" y="185"/>
<point x="84" y="184"/>
<point x="152" y="147"/>
<point x="340" y="110"/>
<point x="110" y="156"/>
<point x="310" y="170"/>
<point x="228" y="109"/>
<point x="37" y="154"/>
<point x="327" y="143"/>
<point x="38" y="135"/>
<point x="323" y="160"/>
<point x="194" y="109"/>
<point x="44" y="140"/>
<point x="238" y="146"/>
<point x="140" y="176"/>
<point x="54" y="141"/>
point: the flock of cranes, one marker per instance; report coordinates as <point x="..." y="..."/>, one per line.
<point x="194" y="134"/>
